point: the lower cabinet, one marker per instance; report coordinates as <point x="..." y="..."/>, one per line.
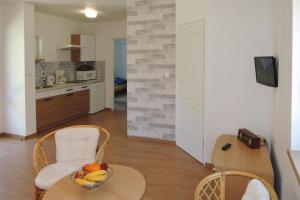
<point x="55" y="110"/>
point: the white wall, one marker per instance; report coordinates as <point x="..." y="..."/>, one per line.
<point x="1" y="95"/>
<point x="56" y="32"/>
<point x="30" y="102"/>
<point x="286" y="182"/>
<point x="235" y="32"/>
<point x="106" y="32"/>
<point x="13" y="72"/>
<point x="296" y="77"/>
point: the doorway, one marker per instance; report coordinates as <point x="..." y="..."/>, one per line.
<point x="120" y="74"/>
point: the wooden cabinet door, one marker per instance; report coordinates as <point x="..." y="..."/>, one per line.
<point x="74" y="104"/>
<point x="82" y="102"/>
<point x="75" y="53"/>
<point x="67" y="106"/>
<point x="47" y="111"/>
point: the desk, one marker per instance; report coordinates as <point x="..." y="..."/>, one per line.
<point x="125" y="184"/>
<point x="241" y="158"/>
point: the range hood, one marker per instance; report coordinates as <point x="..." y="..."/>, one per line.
<point x="70" y="47"/>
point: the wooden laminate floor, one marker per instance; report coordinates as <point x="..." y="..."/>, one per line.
<point x="170" y="173"/>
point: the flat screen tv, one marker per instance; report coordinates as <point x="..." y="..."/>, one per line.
<point x="266" y="71"/>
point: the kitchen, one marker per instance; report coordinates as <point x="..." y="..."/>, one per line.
<point x="70" y="71"/>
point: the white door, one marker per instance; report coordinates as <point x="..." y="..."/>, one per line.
<point x="190" y="89"/>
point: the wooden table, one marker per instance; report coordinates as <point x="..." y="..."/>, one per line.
<point x="125" y="184"/>
<point x="241" y="158"/>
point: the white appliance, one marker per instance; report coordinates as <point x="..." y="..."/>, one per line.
<point x="85" y="75"/>
<point x="60" y="76"/>
<point x="97" y="101"/>
<point x="50" y="80"/>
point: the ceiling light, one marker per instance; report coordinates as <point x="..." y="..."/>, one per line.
<point x="90" y="13"/>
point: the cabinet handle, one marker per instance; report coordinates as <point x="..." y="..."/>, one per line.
<point x="68" y="90"/>
<point x="48" y="99"/>
<point x="84" y="87"/>
<point x="71" y="94"/>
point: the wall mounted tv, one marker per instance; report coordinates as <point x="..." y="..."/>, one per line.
<point x="266" y="71"/>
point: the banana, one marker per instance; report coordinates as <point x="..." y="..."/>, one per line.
<point x="83" y="182"/>
<point x="94" y="174"/>
<point x="98" y="178"/>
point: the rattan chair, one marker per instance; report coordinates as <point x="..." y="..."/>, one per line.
<point x="213" y="186"/>
<point x="40" y="160"/>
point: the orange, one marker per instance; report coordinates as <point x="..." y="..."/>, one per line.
<point x="92" y="167"/>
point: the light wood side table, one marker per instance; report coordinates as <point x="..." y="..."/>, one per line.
<point x="125" y="184"/>
<point x="241" y="158"/>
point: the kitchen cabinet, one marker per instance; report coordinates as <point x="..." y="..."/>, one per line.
<point x="87" y="52"/>
<point x="47" y="111"/>
<point x="51" y="111"/>
<point x="61" y="89"/>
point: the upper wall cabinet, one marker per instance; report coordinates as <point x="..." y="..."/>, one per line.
<point x="87" y="52"/>
<point x="38" y="49"/>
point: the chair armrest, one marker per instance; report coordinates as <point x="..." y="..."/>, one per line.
<point x="39" y="159"/>
<point x="100" y="152"/>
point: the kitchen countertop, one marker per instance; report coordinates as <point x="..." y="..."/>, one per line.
<point x="66" y="85"/>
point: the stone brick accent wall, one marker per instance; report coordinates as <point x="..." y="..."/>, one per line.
<point x="151" y="68"/>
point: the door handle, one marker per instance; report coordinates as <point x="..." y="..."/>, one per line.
<point x="69" y="90"/>
<point x="48" y="99"/>
<point x="83" y="87"/>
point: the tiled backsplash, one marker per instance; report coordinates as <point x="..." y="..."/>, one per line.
<point x="43" y="69"/>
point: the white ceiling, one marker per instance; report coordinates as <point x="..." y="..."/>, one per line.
<point x="110" y="10"/>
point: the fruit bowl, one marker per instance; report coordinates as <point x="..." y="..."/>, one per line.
<point x="91" y="176"/>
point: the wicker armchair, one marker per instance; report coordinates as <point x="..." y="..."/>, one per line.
<point x="40" y="160"/>
<point x="213" y="186"/>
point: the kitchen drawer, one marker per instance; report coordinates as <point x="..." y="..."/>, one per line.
<point x="56" y="92"/>
<point x="82" y="87"/>
<point x="55" y="110"/>
<point x="47" y="111"/>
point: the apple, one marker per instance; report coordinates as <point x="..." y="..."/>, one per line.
<point x="104" y="166"/>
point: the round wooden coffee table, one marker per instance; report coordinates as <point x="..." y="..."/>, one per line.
<point x="125" y="184"/>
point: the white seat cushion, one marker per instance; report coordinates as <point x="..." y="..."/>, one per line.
<point x="256" y="190"/>
<point x="52" y="173"/>
<point x="76" y="144"/>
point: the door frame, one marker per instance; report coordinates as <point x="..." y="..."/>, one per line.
<point x="178" y="84"/>
<point x="113" y="65"/>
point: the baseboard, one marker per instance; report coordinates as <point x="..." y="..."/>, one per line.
<point x="144" y="139"/>
<point x="210" y="166"/>
<point x="108" y="109"/>
<point x="18" y="137"/>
